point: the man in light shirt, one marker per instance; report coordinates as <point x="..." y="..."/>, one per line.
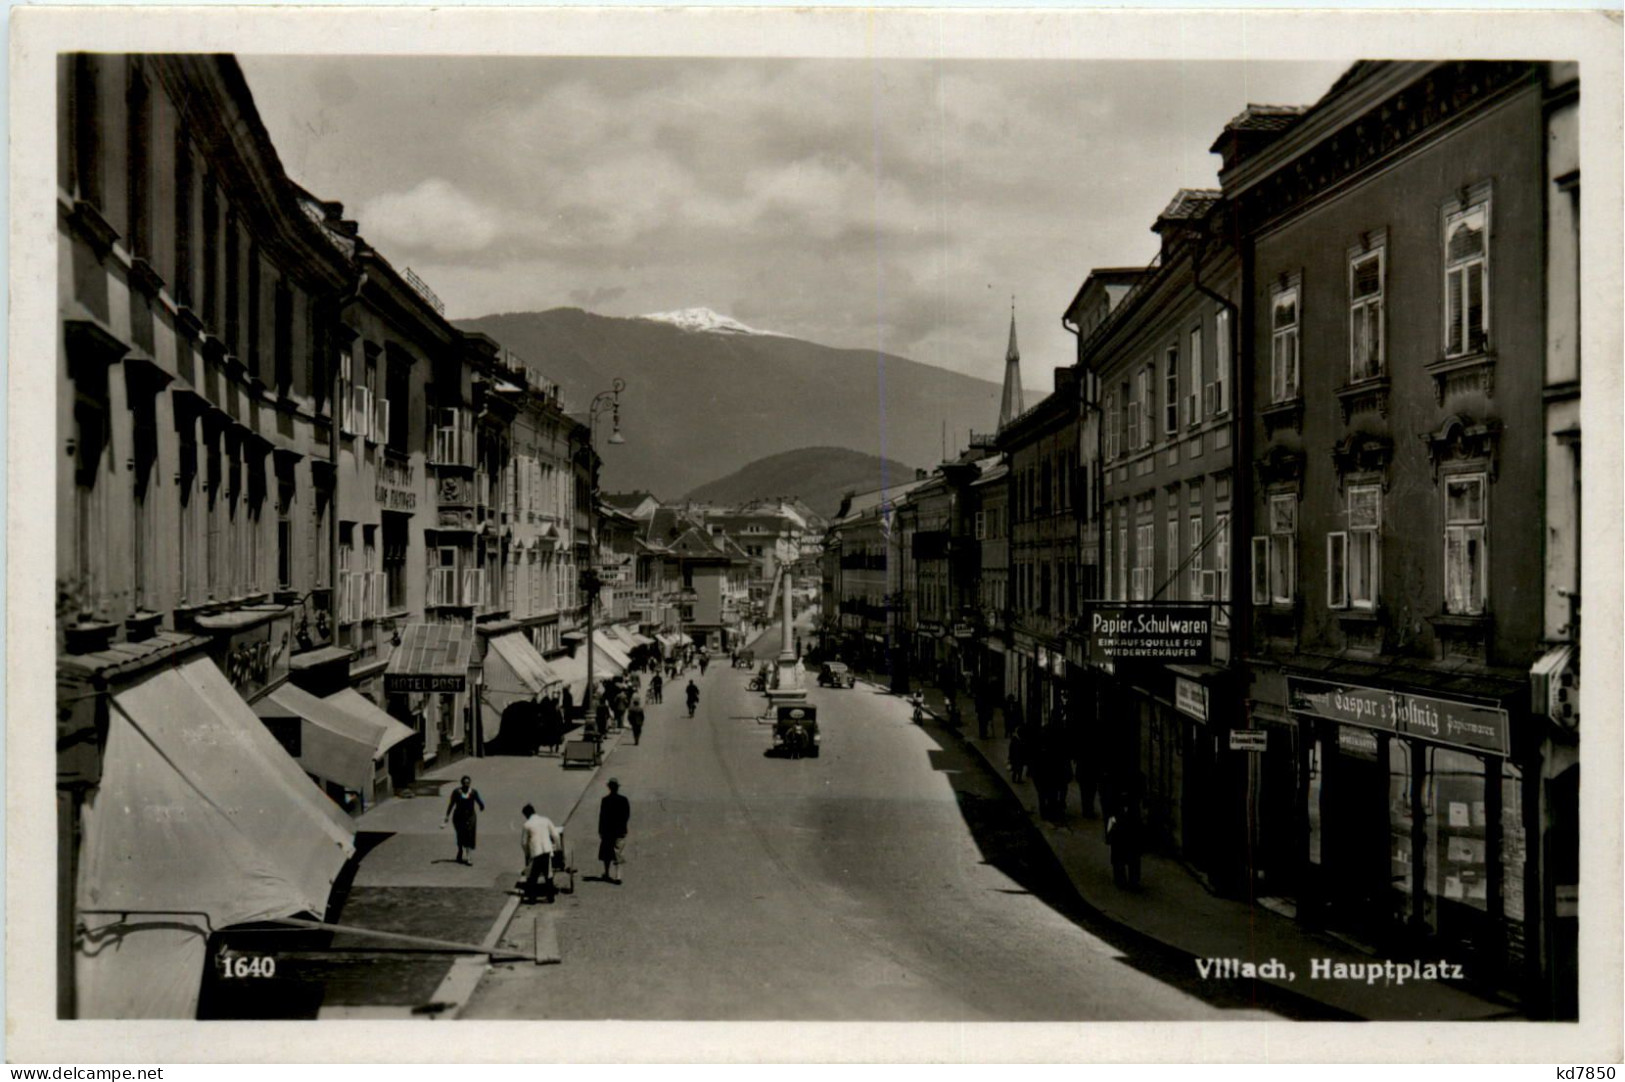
<point x="539" y="838"/>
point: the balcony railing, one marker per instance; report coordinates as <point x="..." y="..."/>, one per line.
<point x="453" y="443"/>
<point x="451" y="588"/>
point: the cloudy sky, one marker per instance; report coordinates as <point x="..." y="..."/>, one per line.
<point x="889" y="204"/>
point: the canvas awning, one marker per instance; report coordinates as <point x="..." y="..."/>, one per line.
<point x="519" y="669"/>
<point x="202" y="821"/>
<point x="334" y="746"/>
<point x="390" y="730"/>
<point x="608" y="647"/>
<point x="431" y="657"/>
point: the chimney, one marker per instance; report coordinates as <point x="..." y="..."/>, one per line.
<point x="1065" y="378"/>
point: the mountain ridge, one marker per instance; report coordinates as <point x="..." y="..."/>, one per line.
<point x="820" y="476"/>
<point x="699" y="406"/>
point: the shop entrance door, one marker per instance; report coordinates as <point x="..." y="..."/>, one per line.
<point x="1355" y="851"/>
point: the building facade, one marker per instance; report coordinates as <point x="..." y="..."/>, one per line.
<point x="1164" y="359"/>
<point x="1396" y="384"/>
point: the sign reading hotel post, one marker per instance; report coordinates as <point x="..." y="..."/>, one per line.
<point x="1146" y="632"/>
<point x="1443" y="721"/>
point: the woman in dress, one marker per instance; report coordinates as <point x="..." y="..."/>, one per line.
<point x="461" y="813"/>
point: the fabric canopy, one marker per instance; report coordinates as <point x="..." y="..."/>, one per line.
<point x="390" y="731"/>
<point x="572" y="671"/>
<point x="201" y="821"/>
<point x="334" y="745"/>
<point x="520" y="669"/>
<point x="607" y="646"/>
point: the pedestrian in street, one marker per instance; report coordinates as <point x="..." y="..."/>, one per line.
<point x="614" y="813"/>
<point x="1123" y="836"/>
<point x="656" y="687"/>
<point x="1012" y="717"/>
<point x="692" y="694"/>
<point x="618" y="705"/>
<point x="1052" y="772"/>
<point x="634" y="714"/>
<point x="461" y="813"/>
<point x="539" y="838"/>
<point x="1018" y="755"/>
<point x="601" y="718"/>
<point x="552" y="725"/>
<point x="705" y="659"/>
<point x="567" y="705"/>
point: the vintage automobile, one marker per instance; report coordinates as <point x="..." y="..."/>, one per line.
<point x="795" y="732"/>
<point x="836" y="674"/>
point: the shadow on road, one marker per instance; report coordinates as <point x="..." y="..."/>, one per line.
<point x="1009" y="842"/>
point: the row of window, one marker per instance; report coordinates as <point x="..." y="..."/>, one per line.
<point x="1051" y="587"/>
<point x="1353" y="554"/>
<point x="1050" y="487"/>
<point x="1464" y="265"/>
<point x="1187" y="399"/>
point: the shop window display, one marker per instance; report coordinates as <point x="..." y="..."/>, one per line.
<point x="1399" y="828"/>
<point x="1457" y="872"/>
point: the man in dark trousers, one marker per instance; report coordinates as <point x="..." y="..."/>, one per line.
<point x="614" y="812"/>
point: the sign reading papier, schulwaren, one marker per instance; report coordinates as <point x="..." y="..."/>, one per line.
<point x="1151" y="633"/>
<point x="1444" y="721"/>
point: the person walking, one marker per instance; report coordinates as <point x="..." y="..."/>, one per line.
<point x="461" y="813"/>
<point x="1052" y="771"/>
<point x="539" y="838"/>
<point x="567" y="705"/>
<point x="1123" y="836"/>
<point x="614" y="813"/>
<point x="1012" y="717"/>
<point x="1018" y="754"/>
<point x="656" y="687"/>
<point x="692" y="694"/>
<point x="601" y="720"/>
<point x="705" y="660"/>
<point x="634" y="714"/>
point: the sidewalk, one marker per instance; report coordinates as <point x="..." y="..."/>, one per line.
<point x="1173" y="908"/>
<point x="407" y="880"/>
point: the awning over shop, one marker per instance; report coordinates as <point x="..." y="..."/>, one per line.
<point x="202" y="821"/>
<point x="431" y="657"/>
<point x="390" y="730"/>
<point x="334" y="745"/>
<point x="520" y="670"/>
<point x="572" y="671"/>
<point x="608" y="647"/>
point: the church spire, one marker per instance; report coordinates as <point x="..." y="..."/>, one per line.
<point x="1010" y="407"/>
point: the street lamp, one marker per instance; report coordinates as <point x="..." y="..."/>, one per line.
<point x="605" y="400"/>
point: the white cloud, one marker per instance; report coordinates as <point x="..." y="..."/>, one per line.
<point x="436" y="216"/>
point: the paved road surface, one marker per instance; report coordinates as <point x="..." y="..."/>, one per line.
<point x="889" y="879"/>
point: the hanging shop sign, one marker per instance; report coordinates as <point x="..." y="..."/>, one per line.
<point x="1151" y="632"/>
<point x="251" y="648"/>
<point x="1190" y="698"/>
<point x="1249" y="740"/>
<point x="964" y="631"/>
<point x="1444" y="721"/>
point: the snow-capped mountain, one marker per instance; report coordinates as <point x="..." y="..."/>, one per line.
<point x="703" y="319"/>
